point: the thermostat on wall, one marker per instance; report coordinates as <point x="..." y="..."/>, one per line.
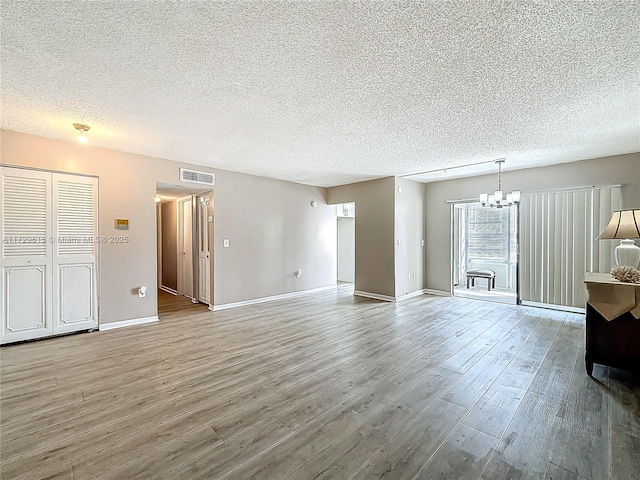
<point x="122" y="224"/>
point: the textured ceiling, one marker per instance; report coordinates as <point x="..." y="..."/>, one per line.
<point x="328" y="93"/>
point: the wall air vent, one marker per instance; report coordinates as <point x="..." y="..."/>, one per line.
<point x="193" y="176"/>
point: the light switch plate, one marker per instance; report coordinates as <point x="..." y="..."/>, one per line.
<point x="225" y="243"/>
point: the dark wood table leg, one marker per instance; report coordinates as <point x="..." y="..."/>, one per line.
<point x="588" y="365"/>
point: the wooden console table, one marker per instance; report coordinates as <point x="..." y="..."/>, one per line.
<point x="612" y="323"/>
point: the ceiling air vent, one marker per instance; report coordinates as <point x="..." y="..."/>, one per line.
<point x="193" y="176"/>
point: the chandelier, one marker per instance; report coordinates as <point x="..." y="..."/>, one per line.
<point x="498" y="199"/>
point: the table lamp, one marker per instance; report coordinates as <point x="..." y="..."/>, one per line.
<point x="624" y="225"/>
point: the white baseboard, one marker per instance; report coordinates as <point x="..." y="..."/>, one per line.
<point x="406" y="296"/>
<point x="440" y="293"/>
<point x="375" y="296"/>
<point x="128" y="323"/>
<point x="168" y="290"/>
<point x="550" y="306"/>
<point x="272" y="298"/>
<point x="389" y="298"/>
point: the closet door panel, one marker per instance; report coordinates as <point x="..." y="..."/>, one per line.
<point x="26" y="309"/>
<point x="75" y="223"/>
<point x="25" y="258"/>
<point x="76" y="294"/>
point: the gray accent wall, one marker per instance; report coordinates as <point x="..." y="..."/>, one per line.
<point x="389" y="233"/>
<point x="620" y="169"/>
<point x="273" y="231"/>
<point x="375" y="263"/>
<point x="272" y="227"/>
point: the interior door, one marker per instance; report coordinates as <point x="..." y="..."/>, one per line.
<point x="185" y="249"/>
<point x="204" y="253"/>
<point x="75" y="216"/>
<point x="26" y="261"/>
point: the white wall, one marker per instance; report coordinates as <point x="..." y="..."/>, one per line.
<point x="409" y="235"/>
<point x="346" y="209"/>
<point x="346" y="249"/>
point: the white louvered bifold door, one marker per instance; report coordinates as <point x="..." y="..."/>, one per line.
<point x="75" y="213"/>
<point x="25" y="261"/>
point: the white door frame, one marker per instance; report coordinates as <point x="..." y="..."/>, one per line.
<point x="199" y="219"/>
<point x="159" y="245"/>
<point x="185" y="247"/>
<point x="204" y="267"/>
<point x="453" y="225"/>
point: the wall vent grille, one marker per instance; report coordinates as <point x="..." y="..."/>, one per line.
<point x="193" y="176"/>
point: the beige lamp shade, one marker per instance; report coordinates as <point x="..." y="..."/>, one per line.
<point x="623" y="224"/>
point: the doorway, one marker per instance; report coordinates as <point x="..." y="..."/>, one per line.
<point x="185" y="245"/>
<point x="346" y="251"/>
<point x="485" y="240"/>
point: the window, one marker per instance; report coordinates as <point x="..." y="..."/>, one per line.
<point x="490" y="234"/>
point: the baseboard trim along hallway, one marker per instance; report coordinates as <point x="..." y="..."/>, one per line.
<point x="127" y="323"/>
<point x="388" y="298"/>
<point x="271" y="298"/>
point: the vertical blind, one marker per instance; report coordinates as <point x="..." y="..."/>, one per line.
<point x="558" y="243"/>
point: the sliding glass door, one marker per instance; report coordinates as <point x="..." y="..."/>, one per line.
<point x="486" y="240"/>
<point x="555" y="233"/>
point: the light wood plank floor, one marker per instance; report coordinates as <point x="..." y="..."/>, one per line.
<point x="321" y="386"/>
